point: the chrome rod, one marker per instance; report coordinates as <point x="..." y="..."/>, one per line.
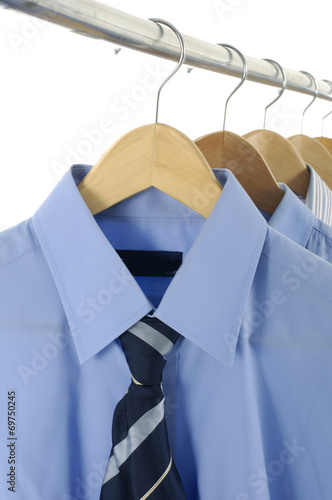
<point x="96" y="20"/>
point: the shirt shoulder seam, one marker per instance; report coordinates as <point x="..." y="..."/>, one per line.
<point x="298" y="276"/>
<point x="19" y="256"/>
<point x="323" y="233"/>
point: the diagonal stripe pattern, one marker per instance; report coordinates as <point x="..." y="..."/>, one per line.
<point x="140" y="465"/>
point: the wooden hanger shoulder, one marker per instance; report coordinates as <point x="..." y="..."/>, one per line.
<point x="315" y="154"/>
<point x="151" y="155"/>
<point x="283" y="159"/>
<point x="327" y="143"/>
<point x="233" y="152"/>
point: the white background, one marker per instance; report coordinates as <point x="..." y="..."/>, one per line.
<point x="58" y="88"/>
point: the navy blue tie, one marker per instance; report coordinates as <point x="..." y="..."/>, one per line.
<point x="141" y="465"/>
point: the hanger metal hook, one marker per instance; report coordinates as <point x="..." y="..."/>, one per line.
<point x="281" y="91"/>
<point x="313" y="79"/>
<point x="182" y="48"/>
<point x="330" y="83"/>
<point x="244" y="75"/>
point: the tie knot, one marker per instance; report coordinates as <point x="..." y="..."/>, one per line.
<point x="145" y="344"/>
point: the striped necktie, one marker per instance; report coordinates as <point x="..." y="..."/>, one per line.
<point x="140" y="465"/>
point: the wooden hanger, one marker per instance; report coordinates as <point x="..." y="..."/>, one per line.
<point x="231" y="151"/>
<point x="152" y="155"/>
<point x="326" y="141"/>
<point x="281" y="156"/>
<point x="228" y="150"/>
<point x="315" y="154"/>
<point x="312" y="151"/>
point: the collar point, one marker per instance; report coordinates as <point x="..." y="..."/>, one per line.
<point x="89" y="342"/>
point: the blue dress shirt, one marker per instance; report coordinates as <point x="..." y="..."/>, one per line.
<point x="248" y="404"/>
<point x="296" y="221"/>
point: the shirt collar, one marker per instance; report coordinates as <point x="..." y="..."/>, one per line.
<point x="292" y="218"/>
<point x="206" y="299"/>
<point x="319" y="197"/>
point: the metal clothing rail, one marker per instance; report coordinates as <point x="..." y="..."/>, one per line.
<point x="100" y="21"/>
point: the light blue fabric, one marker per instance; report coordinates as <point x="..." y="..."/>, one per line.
<point x="296" y="221"/>
<point x="248" y="398"/>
